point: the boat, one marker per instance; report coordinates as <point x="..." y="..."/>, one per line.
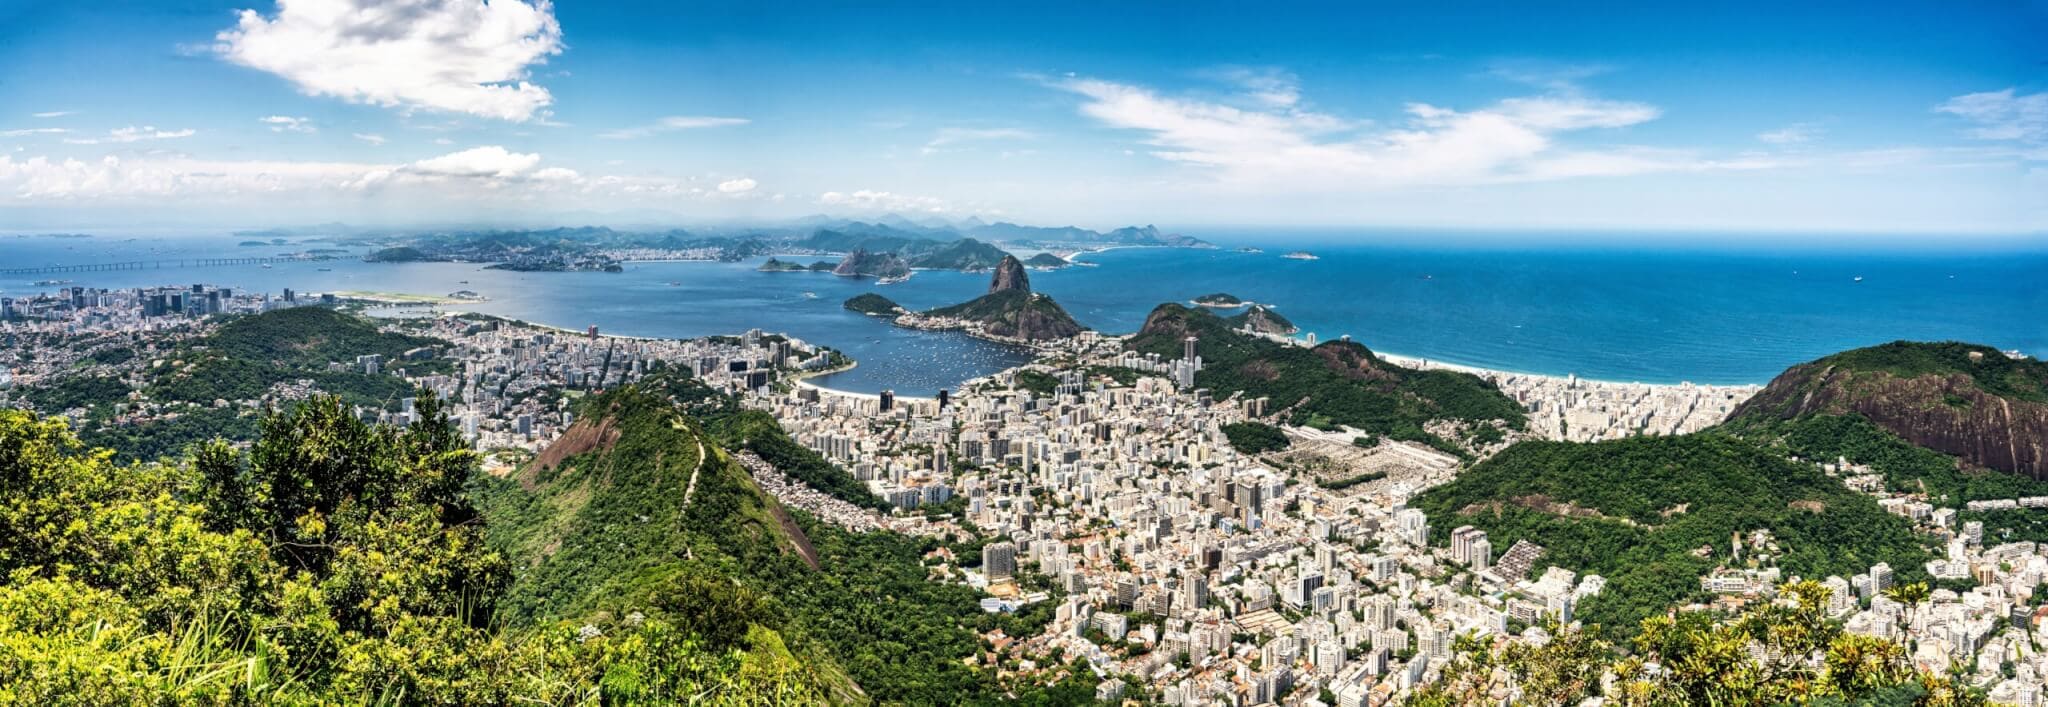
<point x="674" y="283"/>
<point x="1249" y="249"/>
<point x="1859" y="278"/>
<point x="53" y="282"/>
<point x="810" y="295"/>
<point x="266" y="266"/>
<point x="332" y="270"/>
<point x="892" y="280"/>
<point x="1300" y="255"/>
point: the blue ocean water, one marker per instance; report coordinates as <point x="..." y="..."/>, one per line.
<point x="1704" y="315"/>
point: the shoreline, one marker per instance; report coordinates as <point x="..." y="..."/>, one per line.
<point x="1418" y="362"/>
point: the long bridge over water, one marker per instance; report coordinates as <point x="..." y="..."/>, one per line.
<point x="158" y="264"/>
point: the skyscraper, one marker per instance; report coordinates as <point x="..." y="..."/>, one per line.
<point x="999" y="561"/>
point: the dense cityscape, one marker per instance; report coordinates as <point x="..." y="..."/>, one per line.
<point x="1104" y="483"/>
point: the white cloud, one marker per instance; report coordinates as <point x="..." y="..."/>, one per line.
<point x="953" y="136"/>
<point x="486" y="175"/>
<point x="23" y="132"/>
<point x="670" y="124"/>
<point x="443" y="141"/>
<point x="737" y="186"/>
<point x="133" y="134"/>
<point x="52" y="114"/>
<point x="285" y="123"/>
<point x="1794" y="134"/>
<point x="371" y="138"/>
<point x="557" y="174"/>
<point x="866" y="199"/>
<point x="2003" y="115"/>
<point x="458" y="56"/>
<point x="486" y="161"/>
<point x="1267" y="137"/>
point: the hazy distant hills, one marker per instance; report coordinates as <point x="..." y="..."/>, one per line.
<point x="933" y="244"/>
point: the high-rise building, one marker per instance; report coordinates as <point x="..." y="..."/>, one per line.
<point x="999" y="561"/>
<point x="888" y="400"/>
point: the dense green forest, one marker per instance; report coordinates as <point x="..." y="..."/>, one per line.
<point x="1907" y="468"/>
<point x="1994" y="372"/>
<point x="871" y="303"/>
<point x="1335" y="383"/>
<point x="1635" y="511"/>
<point x="1254" y="437"/>
<point x="338" y="561"/>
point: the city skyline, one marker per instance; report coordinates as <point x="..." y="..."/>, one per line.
<point x="1921" y="119"/>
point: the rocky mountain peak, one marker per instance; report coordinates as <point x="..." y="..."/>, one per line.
<point x="1009" y="276"/>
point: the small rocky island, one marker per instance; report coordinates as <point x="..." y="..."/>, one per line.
<point x="775" y="265"/>
<point x="1219" y="300"/>
<point x="1047" y="261"/>
<point x="1009" y="313"/>
<point x="863" y="263"/>
<point x="875" y="305"/>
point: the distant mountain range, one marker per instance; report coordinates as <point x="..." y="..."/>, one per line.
<point x="964" y="245"/>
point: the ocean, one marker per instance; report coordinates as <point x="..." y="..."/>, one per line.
<point x="1706" y="315"/>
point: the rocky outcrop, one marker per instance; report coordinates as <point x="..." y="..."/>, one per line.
<point x="1260" y="320"/>
<point x="861" y="263"/>
<point x="1010" y="311"/>
<point x="1009" y="276"/>
<point x="1970" y="402"/>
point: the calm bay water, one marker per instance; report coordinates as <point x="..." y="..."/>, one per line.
<point x="1661" y="316"/>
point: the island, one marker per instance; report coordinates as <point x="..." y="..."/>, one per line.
<point x="1009" y="313"/>
<point x="1219" y="300"/>
<point x="1047" y="261"/>
<point x="863" y="263"/>
<point x="875" y="305"/>
<point x="1300" y="255"/>
<point x="774" y="265"/>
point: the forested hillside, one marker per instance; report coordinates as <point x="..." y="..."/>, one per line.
<point x="341" y="562"/>
<point x="1334" y="383"/>
<point x="1654" y="514"/>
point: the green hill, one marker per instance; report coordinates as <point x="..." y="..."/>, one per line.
<point x="606" y="522"/>
<point x="1636" y="511"/>
<point x="1016" y="313"/>
<point x="1047" y="260"/>
<point x="1335" y="383"/>
<point x="241" y="360"/>
<point x="877" y="305"/>
<point x="963" y="254"/>
<point x="335" y="563"/>
<point x="1971" y="402"/>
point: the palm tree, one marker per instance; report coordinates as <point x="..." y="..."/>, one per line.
<point x="1911" y="595"/>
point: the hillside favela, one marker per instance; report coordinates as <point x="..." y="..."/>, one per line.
<point x="512" y="352"/>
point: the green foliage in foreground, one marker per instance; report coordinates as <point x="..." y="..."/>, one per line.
<point x="1635" y="510"/>
<point x="1804" y="658"/>
<point x="335" y="563"/>
<point x="1254" y="437"/>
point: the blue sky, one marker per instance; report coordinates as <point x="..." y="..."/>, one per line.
<point x="1857" y="118"/>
